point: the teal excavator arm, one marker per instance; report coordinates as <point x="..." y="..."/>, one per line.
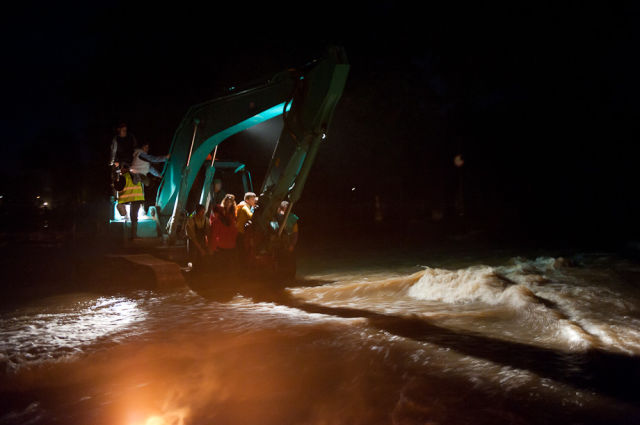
<point x="307" y="97"/>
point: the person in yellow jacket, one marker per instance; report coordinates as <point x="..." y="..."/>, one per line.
<point x="244" y="212"/>
<point x="131" y="192"/>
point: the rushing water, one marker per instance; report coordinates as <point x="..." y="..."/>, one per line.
<point x="522" y="341"/>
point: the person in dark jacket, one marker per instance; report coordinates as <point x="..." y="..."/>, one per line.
<point x="197" y="231"/>
<point x="122" y="146"/>
<point x="218" y="194"/>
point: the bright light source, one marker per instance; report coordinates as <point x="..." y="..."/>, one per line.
<point x="353" y="188"/>
<point x="324" y="136"/>
<point x="118" y="218"/>
<point x="44" y="204"/>
<point x="37" y="196"/>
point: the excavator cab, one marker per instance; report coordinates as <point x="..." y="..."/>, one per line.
<point x="235" y="177"/>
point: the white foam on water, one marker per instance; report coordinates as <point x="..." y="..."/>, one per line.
<point x="546" y="301"/>
<point x="43" y="335"/>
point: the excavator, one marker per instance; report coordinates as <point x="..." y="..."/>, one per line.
<point x="305" y="97"/>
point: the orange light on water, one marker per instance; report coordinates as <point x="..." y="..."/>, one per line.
<point x="175" y="417"/>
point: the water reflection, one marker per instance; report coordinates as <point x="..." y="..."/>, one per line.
<point x="60" y="326"/>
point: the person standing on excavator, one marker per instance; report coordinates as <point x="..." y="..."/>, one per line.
<point x="218" y="194"/>
<point x="223" y="225"/>
<point x="122" y="146"/>
<point x="130" y="192"/>
<point x="223" y="234"/>
<point x="197" y="231"/>
<point x="286" y="225"/>
<point x="142" y="162"/>
<point x="290" y="231"/>
<point x="244" y="212"/>
<point x="142" y="167"/>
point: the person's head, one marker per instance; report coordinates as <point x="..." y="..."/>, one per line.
<point x="229" y="202"/>
<point x="282" y="208"/>
<point x="200" y="210"/>
<point x="250" y="198"/>
<point x="145" y="147"/>
<point x="217" y="185"/>
<point x="122" y="129"/>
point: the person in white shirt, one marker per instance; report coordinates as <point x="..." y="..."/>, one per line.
<point x="142" y="162"/>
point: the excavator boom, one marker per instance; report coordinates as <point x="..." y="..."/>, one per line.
<point x="307" y="97"/>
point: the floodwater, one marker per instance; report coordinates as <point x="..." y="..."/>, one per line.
<point x="508" y="340"/>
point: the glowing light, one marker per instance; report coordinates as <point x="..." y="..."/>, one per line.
<point x="324" y="136"/>
<point x="174" y="417"/>
<point x="44" y="204"/>
<point x="142" y="216"/>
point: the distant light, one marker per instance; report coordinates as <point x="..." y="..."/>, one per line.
<point x="37" y="196"/>
<point x="232" y="88"/>
<point x="324" y="136"/>
<point x="44" y="204"/>
<point x="1" y="196"/>
<point x="353" y="188"/>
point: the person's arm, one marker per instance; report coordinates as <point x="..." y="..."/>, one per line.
<point x="152" y="158"/>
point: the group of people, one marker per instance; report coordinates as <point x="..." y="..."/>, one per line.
<point x="133" y="173"/>
<point x="220" y="234"/>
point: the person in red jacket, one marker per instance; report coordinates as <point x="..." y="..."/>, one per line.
<point x="223" y="233"/>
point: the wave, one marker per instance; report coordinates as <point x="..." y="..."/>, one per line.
<point x="546" y="300"/>
<point x="473" y="284"/>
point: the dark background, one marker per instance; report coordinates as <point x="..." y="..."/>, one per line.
<point x="540" y="99"/>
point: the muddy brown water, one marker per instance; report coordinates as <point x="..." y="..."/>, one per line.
<point x="380" y="340"/>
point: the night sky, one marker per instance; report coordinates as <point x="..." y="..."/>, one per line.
<point x="540" y="98"/>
